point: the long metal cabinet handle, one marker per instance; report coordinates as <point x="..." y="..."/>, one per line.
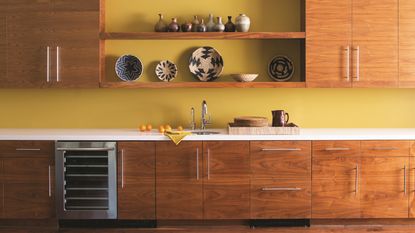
<point x="357" y="49"/>
<point x="58" y="64"/>
<point x="347" y="63"/>
<point x="208" y="164"/>
<point x="385" y="148"/>
<point x="27" y="149"/>
<point x="337" y="149"/>
<point x="356" y="180"/>
<point x="85" y="149"/>
<point x="281" y="149"/>
<point x="48" y="64"/>
<point x="281" y="189"/>
<point x="50" y="182"/>
<point x="404" y="179"/>
<point x="122" y="168"/>
<point x="197" y="164"/>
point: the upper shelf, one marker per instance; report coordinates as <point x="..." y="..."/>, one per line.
<point x="158" y="85"/>
<point x="201" y="35"/>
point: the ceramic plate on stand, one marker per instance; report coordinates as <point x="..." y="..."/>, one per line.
<point x="206" y="64"/>
<point x="129" y="68"/>
<point x="166" y="71"/>
<point x="281" y="68"/>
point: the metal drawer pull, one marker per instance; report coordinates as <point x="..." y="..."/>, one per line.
<point x="122" y="169"/>
<point x="47" y="64"/>
<point x="347" y="63"/>
<point x="385" y="148"/>
<point x="50" y="182"/>
<point x="281" y="149"/>
<point x="197" y="164"/>
<point x="86" y="149"/>
<point x="404" y="179"/>
<point x="281" y="189"/>
<point x="356" y="181"/>
<point x="27" y="149"/>
<point x="357" y="49"/>
<point x="337" y="149"/>
<point x="58" y="64"/>
<point x="208" y="164"/>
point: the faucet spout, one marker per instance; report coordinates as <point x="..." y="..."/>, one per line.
<point x="205" y="119"/>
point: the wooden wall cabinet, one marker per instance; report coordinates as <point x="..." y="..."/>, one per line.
<point x="406" y="43"/>
<point x="352" y="43"/>
<point x="27" y="180"/>
<point x="280" y="180"/>
<point x="136" y="181"/>
<point x="51" y="43"/>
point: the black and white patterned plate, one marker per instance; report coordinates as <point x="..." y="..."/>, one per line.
<point x="281" y="68"/>
<point x="166" y="71"/>
<point x="206" y="64"/>
<point x="129" y="68"/>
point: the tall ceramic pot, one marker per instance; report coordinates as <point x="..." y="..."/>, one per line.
<point x="210" y="25"/>
<point x="161" y="25"/>
<point x="243" y="23"/>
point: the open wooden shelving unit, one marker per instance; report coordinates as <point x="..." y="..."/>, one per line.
<point x="105" y="36"/>
<point x="201" y="36"/>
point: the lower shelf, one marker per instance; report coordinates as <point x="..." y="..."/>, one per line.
<point x="157" y="85"/>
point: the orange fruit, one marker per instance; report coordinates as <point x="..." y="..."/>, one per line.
<point x="143" y="128"/>
<point x="167" y="127"/>
<point x="180" y="128"/>
<point x="162" y="129"/>
<point x="149" y="127"/>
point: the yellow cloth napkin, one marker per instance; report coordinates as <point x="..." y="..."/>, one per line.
<point x="177" y="136"/>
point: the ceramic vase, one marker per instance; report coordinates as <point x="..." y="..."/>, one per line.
<point x="195" y="22"/>
<point x="174" y="26"/>
<point x="161" y="25"/>
<point x="210" y="25"/>
<point x="243" y="23"/>
<point x="229" y="26"/>
<point x="187" y="27"/>
<point x="219" y="27"/>
<point x="201" y="27"/>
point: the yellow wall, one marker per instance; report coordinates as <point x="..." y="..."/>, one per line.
<point x="128" y="108"/>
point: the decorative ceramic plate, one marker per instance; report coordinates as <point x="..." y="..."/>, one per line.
<point x="129" y="68"/>
<point x="166" y="71"/>
<point x="206" y="64"/>
<point x="281" y="68"/>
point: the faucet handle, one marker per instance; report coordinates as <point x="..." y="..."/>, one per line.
<point x="193" y="122"/>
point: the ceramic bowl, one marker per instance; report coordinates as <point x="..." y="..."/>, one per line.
<point x="206" y="64"/>
<point x="244" y="77"/>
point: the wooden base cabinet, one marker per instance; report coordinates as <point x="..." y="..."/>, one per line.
<point x="136" y="181"/>
<point x="208" y="180"/>
<point x="280" y="180"/>
<point x="26" y="177"/>
<point x="412" y="187"/>
<point x="226" y="180"/>
<point x="179" y="184"/>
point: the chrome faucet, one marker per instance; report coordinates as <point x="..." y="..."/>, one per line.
<point x="193" y="123"/>
<point x="205" y="116"/>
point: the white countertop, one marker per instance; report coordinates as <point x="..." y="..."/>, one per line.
<point x="135" y="135"/>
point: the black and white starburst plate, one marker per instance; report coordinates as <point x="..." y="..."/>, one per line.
<point x="166" y="71"/>
<point x="129" y="68"/>
<point x="206" y="64"/>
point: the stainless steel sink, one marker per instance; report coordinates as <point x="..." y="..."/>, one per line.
<point x="203" y="132"/>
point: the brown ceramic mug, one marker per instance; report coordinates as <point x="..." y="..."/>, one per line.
<point x="280" y="118"/>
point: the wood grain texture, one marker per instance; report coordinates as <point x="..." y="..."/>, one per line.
<point x="27" y="148"/>
<point x="136" y="181"/>
<point x="3" y="44"/>
<point x="280" y="204"/>
<point x="226" y="179"/>
<point x="375" y="31"/>
<point x="27" y="55"/>
<point x="329" y="27"/>
<point x="383" y="187"/>
<point x="196" y="35"/>
<point x="335" y="148"/>
<point x="226" y="199"/>
<point x="385" y="148"/>
<point x="335" y="199"/>
<point x="335" y="167"/>
<point x="406" y="43"/>
<point x="76" y="5"/>
<point x="160" y="85"/>
<point x="411" y="188"/>
<point x="177" y="183"/>
<point x="281" y="164"/>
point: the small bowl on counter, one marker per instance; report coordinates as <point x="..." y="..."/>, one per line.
<point x="244" y="77"/>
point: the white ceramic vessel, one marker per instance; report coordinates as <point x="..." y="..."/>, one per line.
<point x="243" y="23"/>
